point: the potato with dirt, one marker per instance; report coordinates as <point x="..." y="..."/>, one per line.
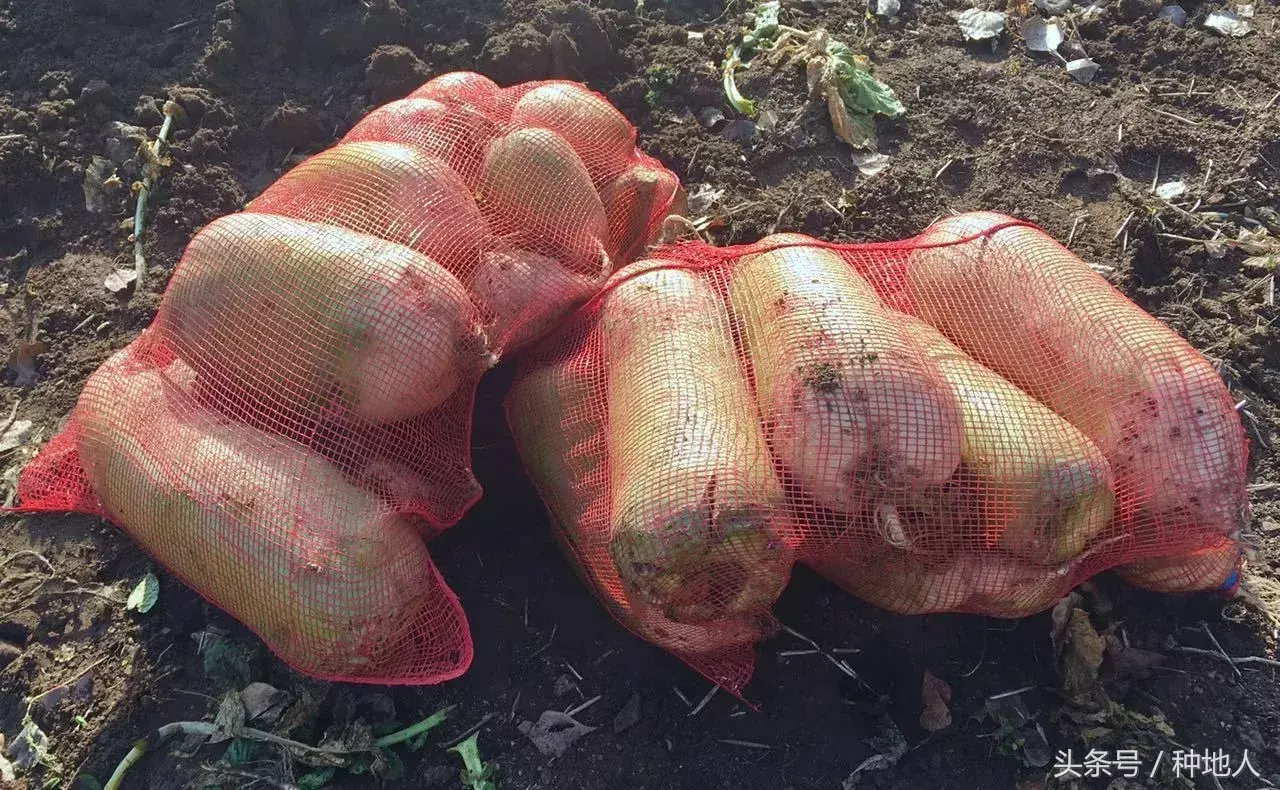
<point x="264" y="528"/>
<point x="855" y="411"/>
<point x="697" y="514"/>
<point x="305" y="318"/>
<point x="988" y="582"/>
<point x="636" y="204"/>
<point x="549" y="409"/>
<point x="525" y="295"/>
<point x="1045" y="490"/>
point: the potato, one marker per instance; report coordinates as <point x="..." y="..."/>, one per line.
<point x="990" y="583"/>
<point x="636" y="203"/>
<point x="696" y="510"/>
<point x="266" y="530"/>
<point x="464" y="87"/>
<point x="303" y="317"/>
<point x="457" y="135"/>
<point x="856" y="411"/>
<point x="537" y="195"/>
<point x="1024" y="306"/>
<point x="526" y="295"/>
<point x="388" y="190"/>
<point x="1214" y="568"/>
<point x="603" y="137"/>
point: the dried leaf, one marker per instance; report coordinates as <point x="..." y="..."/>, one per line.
<point x="980" y="25"/>
<point x="15" y="435"/>
<point x="119" y="280"/>
<point x="554" y="732"/>
<point x="1126" y="662"/>
<point x="230" y="719"/>
<point x="1228" y="23"/>
<point x="889" y="745"/>
<point x="1041" y="36"/>
<point x="1082" y="651"/>
<point x="263" y="701"/>
<point x="629" y="716"/>
<point x="936" y="695"/>
<point x="1061" y="614"/>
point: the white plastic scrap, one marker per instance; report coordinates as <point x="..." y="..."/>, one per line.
<point x="1082" y="69"/>
<point x="1171" y="189"/>
<point x="980" y="25"/>
<point x="1041" y="36"/>
<point x="870" y="163"/>
<point x="1173" y="14"/>
<point x="1230" y="23"/>
<point x="888" y="8"/>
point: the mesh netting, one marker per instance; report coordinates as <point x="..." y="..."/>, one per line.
<point x="296" y="420"/>
<point x="972" y="420"/>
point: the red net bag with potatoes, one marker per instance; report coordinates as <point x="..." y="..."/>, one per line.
<point x="972" y="420"/>
<point x="296" y="421"/>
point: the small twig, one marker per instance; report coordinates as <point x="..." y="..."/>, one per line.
<point x="1205" y="627"/>
<point x="85" y="591"/>
<point x="180" y="26"/>
<point x="1264" y="488"/>
<point x="1155" y="180"/>
<point x="1074" y="226"/>
<point x="48" y="566"/>
<point x="574" y="671"/>
<point x="584" y="706"/>
<point x="1174" y="116"/>
<point x="206" y="729"/>
<point x="841" y="665"/>
<point x="682" y="697"/>
<point x="943" y="169"/>
<point x="790" y="653"/>
<point x="66" y="683"/>
<point x="512" y="716"/>
<point x="703" y="703"/>
<point x="1208" y="171"/>
<point x="1124" y="225"/>
<point x="1013" y="693"/>
<point x="1271" y="662"/>
<point x="554" y="628"/>
<point x="13" y="416"/>
<point x="744" y="744"/>
<point x="1270" y="101"/>
<point x="981" y="656"/>
<point x="467" y="732"/>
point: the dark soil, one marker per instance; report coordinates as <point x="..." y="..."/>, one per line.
<point x="263" y="83"/>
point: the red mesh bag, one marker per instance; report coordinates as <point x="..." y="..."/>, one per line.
<point x="972" y="420"/>
<point x="296" y="420"/>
